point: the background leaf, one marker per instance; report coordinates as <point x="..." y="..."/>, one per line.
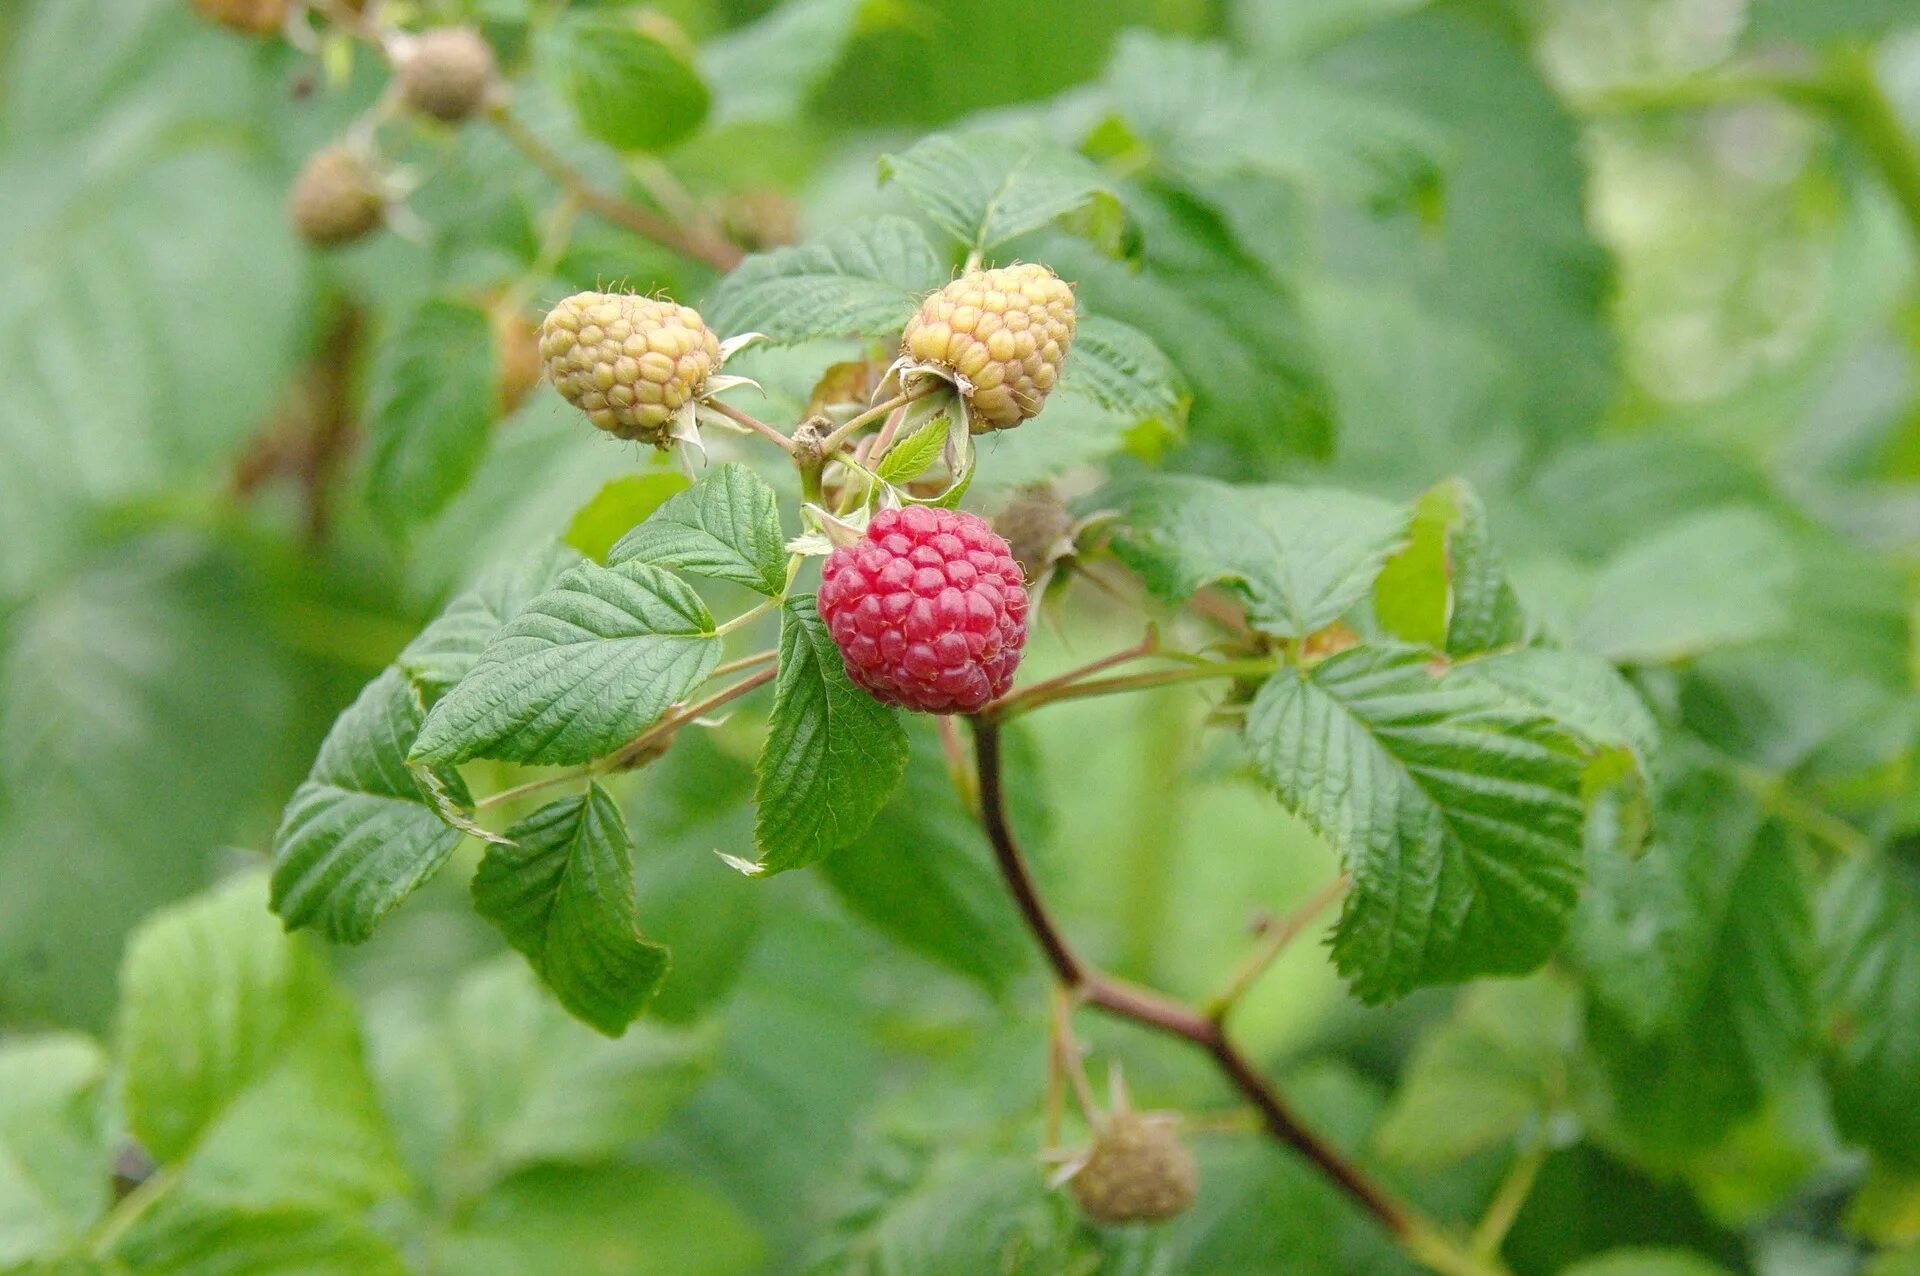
<point x="1869" y="1000"/>
<point x="53" y="1143"/>
<point x="242" y="1060"/>
<point x="985" y="187"/>
<point x="1711" y="580"/>
<point x="628" y="88"/>
<point x="430" y="410"/>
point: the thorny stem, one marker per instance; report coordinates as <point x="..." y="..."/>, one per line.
<point x="753" y="423"/>
<point x="1273" y="942"/>
<point x="700" y="245"/>
<point x="1091" y="986"/>
<point x="1033" y="697"/>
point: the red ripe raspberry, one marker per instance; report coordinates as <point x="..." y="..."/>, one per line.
<point x="928" y="611"/>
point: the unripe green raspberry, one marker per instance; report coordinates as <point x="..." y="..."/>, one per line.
<point x="336" y="198"/>
<point x="255" y="17"/>
<point x="630" y="363"/>
<point x="1002" y="334"/>
<point x="447" y="73"/>
<point x="1138" y="1170"/>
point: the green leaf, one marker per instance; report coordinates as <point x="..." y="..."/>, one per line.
<point x="1581" y="692"/>
<point x="922" y="873"/>
<point x="629" y="89"/>
<point x="361" y="834"/>
<point x="1869" y="999"/>
<point x="1415" y="393"/>
<point x="501" y="1078"/>
<point x="128" y="246"/>
<point x="617" y="508"/>
<point x="1710" y="580"/>
<point x="832" y="754"/>
<point x="1456" y="808"/>
<point x="1446" y="589"/>
<point x="54" y="1151"/>
<point x="765" y="69"/>
<point x="445" y="651"/>
<point x="1233" y="326"/>
<point x="1506" y="248"/>
<point x="1295" y="28"/>
<point x="1298" y="557"/>
<point x="1699" y="961"/>
<point x="562" y="893"/>
<point x="586" y="667"/>
<point x="242" y="1060"/>
<point x="147" y="716"/>
<point x="1646" y="1262"/>
<point x="909" y="457"/>
<point x="188" y="1235"/>
<point x="726" y="526"/>
<point x="963" y="1211"/>
<point x="1485" y="1075"/>
<point x="1197" y="111"/>
<point x="603" y="1220"/>
<point x="1795" y="20"/>
<point x="862" y="280"/>
<point x="1118" y="367"/>
<point x="430" y="410"/>
<point x="986" y="186"/>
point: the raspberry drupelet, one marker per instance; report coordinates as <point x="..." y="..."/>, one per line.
<point x="929" y="610"/>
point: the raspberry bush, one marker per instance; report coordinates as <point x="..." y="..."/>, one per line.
<point x="664" y="640"/>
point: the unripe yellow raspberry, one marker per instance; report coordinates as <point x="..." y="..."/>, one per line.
<point x="1002" y="335"/>
<point x="255" y="17"/>
<point x="447" y="73"/>
<point x="1038" y="528"/>
<point x="630" y="363"/>
<point x="1138" y="1170"/>
<point x="336" y="198"/>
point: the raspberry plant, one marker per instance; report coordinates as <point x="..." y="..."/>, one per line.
<point x="744" y="663"/>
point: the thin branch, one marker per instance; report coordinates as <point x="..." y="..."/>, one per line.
<point x="653" y="737"/>
<point x="1274" y="942"/>
<point x="753" y="423"/>
<point x="1508" y="1200"/>
<point x="697" y="244"/>
<point x="1148" y="645"/>
<point x="831" y="444"/>
<point x="744" y="662"/>
<point x="661" y="731"/>
<point x="1128" y="1001"/>
<point x="1034" y="697"/>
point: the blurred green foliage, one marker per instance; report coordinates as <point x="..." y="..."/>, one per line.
<point x="1641" y="271"/>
